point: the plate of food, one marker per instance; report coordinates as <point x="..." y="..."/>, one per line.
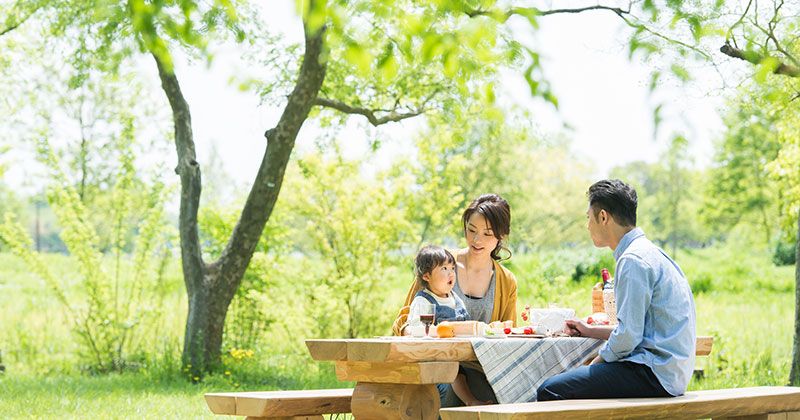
<point x="524" y="332"/>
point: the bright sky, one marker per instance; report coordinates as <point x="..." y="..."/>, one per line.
<point x="603" y="98"/>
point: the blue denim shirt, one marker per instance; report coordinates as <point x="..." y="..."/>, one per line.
<point x="655" y="309"/>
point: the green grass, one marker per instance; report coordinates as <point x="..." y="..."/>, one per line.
<point x="744" y="301"/>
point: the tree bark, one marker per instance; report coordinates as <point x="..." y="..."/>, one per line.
<point x="211" y="287"/>
<point x="794" y="374"/>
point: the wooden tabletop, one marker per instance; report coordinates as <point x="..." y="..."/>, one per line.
<point x="402" y="349"/>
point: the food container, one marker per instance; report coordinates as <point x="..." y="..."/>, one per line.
<point x="550" y="321"/>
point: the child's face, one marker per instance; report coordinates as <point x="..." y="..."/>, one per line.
<point x="441" y="279"/>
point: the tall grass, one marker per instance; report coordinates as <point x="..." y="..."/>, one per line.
<point x="742" y="300"/>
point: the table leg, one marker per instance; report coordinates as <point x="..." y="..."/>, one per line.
<point x="395" y="401"/>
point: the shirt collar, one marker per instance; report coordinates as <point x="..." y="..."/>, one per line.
<point x="626" y="241"/>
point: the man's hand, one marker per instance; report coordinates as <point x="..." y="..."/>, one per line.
<point x="577" y="328"/>
<point x="597" y="360"/>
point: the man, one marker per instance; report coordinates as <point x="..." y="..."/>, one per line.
<point x="650" y="352"/>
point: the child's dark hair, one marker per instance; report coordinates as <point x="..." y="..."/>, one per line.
<point x="428" y="258"/>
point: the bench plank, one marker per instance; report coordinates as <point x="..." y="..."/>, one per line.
<point x="281" y="403"/>
<point x="697" y="404"/>
<point x="703" y="345"/>
<point x="397" y="373"/>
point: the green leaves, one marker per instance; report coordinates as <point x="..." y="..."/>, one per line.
<point x="680" y="72"/>
<point x="765" y="67"/>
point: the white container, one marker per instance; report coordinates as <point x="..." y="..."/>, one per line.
<point x="610" y="305"/>
<point x="550" y="321"/>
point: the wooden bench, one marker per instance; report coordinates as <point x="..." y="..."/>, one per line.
<point x="307" y="404"/>
<point x="762" y="403"/>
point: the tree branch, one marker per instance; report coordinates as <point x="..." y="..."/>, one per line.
<point x="189" y="171"/>
<point x="392" y="116"/>
<point x="17" y="24"/>
<point x="729" y="35"/>
<point x="756" y="58"/>
<point x="533" y="11"/>
<point x="280" y="142"/>
<point x="622" y="13"/>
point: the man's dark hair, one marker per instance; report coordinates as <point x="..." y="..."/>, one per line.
<point x="616" y="198"/>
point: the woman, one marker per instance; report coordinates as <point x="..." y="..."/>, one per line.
<point x="488" y="289"/>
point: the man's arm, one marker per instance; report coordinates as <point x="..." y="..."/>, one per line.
<point x="578" y="328"/>
<point x="634" y="290"/>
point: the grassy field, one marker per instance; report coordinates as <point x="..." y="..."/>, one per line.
<point x="745" y="302"/>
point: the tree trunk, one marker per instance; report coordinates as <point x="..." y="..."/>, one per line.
<point x="794" y="375"/>
<point x="205" y="323"/>
<point x="211" y="287"/>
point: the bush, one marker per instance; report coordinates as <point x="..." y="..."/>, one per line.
<point x="591" y="268"/>
<point x="701" y="283"/>
<point x="785" y="253"/>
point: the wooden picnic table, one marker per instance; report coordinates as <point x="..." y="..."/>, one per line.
<point x="396" y="376"/>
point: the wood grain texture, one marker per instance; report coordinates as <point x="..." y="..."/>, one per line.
<point x="397" y="372"/>
<point x="373" y="401"/>
<point x="419" y="350"/>
<point x="703" y="345"/>
<point x="698" y="404"/>
<point x="281" y="403"/>
<point x="327" y="349"/>
<point x="772" y="416"/>
<point x="221" y="403"/>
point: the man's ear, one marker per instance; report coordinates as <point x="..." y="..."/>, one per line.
<point x="602" y="216"/>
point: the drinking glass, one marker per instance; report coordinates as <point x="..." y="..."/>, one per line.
<point x="427" y="314"/>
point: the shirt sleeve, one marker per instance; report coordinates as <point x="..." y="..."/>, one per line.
<point x="413" y="313"/>
<point x="633" y="291"/>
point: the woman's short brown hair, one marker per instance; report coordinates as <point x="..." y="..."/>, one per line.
<point x="498" y="213"/>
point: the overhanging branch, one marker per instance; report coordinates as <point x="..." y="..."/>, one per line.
<point x="756" y="58"/>
<point x="533" y="11"/>
<point x="16" y="24"/>
<point x="391" y="116"/>
<point x="626" y="16"/>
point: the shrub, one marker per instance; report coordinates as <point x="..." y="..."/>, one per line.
<point x="701" y="283"/>
<point x="785" y="253"/>
<point x="113" y="315"/>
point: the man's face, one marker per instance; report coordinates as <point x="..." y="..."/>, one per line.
<point x="596" y="227"/>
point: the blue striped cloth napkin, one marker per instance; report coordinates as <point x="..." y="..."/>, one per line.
<point x="515" y="367"/>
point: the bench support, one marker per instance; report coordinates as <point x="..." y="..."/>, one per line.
<point x="395" y="401"/>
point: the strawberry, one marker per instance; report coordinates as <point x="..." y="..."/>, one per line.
<point x="590" y="320"/>
<point x="507" y="330"/>
<point x="528" y="330"/>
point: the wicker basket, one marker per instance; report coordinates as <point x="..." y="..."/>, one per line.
<point x="597" y="300"/>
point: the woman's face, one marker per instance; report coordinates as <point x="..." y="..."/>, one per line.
<point x="479" y="235"/>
